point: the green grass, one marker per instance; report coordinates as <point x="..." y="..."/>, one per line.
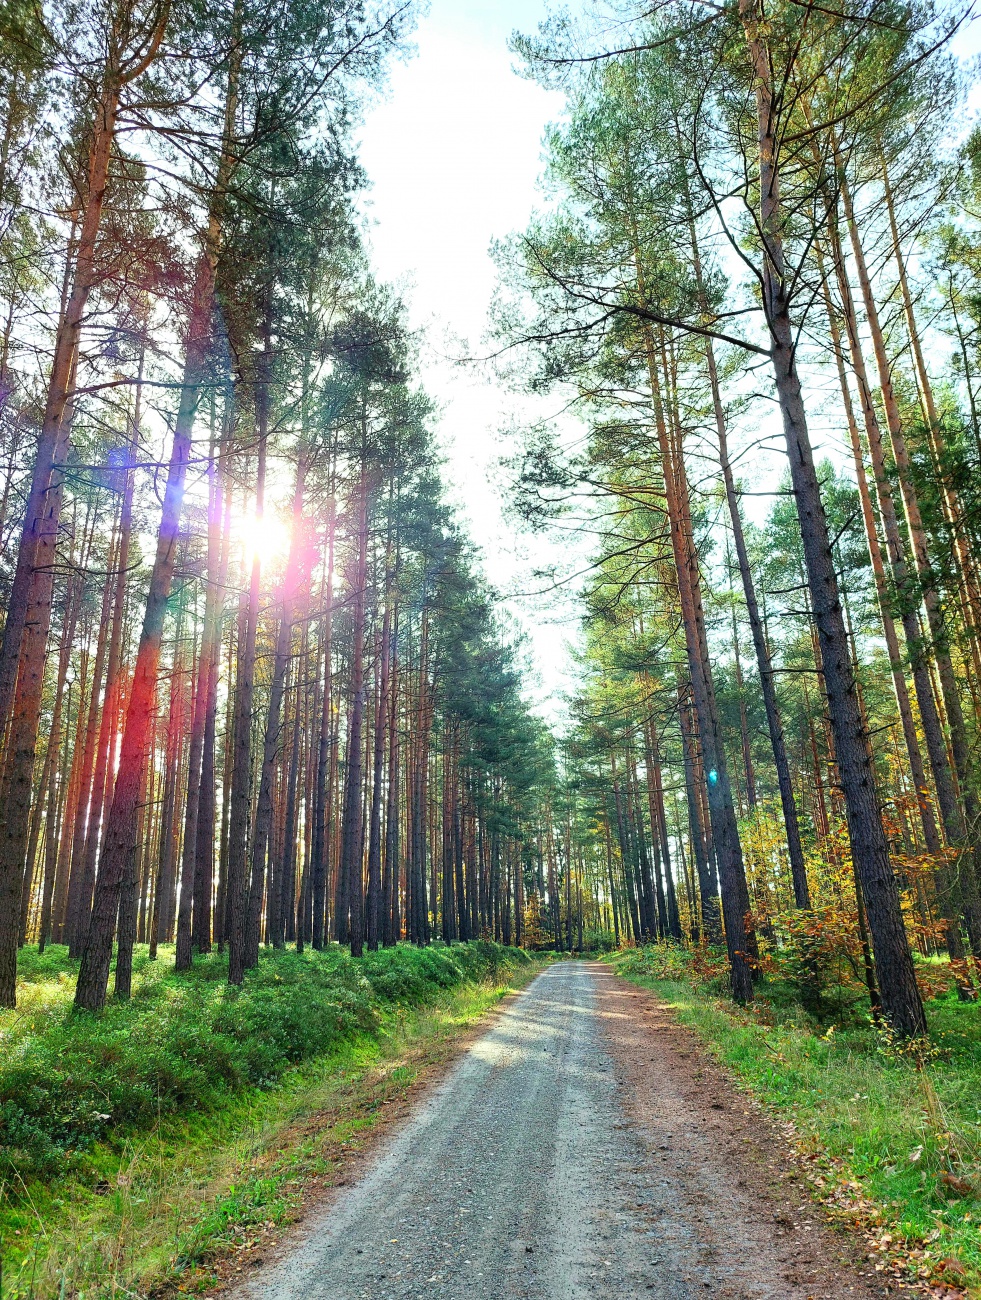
<point x="144" y="1142"/>
<point x="890" y="1140"/>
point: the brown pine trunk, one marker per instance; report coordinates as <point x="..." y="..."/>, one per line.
<point x="951" y="814"/>
<point x="204" y="856"/>
<point x="192" y="794"/>
<point x="748" y="771"/>
<point x="128" y="899"/>
<point x="49" y="784"/>
<point x="659" y="817"/>
<point x="921" y="558"/>
<point x="917" y="771"/>
<point x="80" y="802"/>
<point x="17" y="786"/>
<point x="42" y="509"/>
<point x="952" y="508"/>
<point x="131" y="49"/>
<point x="377" y="758"/>
<point x="325" y="757"/>
<point x="419" y="793"/>
<point x="228" y="762"/>
<point x="56" y="803"/>
<point x="708" y="889"/>
<point x="667" y="915"/>
<point x="173" y="749"/>
<point x="740" y="941"/>
<point x="281" y="901"/>
<point x="950" y="811"/>
<point x="236" y="885"/>
<point x="788" y="805"/>
<point x="201" y="712"/>
<point x="262" y="828"/>
<point x="447" y="897"/>
<point x="81" y="882"/>
<point x="645" y="876"/>
<point x="390" y="889"/>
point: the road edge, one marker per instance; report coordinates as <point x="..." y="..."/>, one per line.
<point x="349" y="1146"/>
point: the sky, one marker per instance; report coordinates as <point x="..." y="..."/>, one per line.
<point x="453" y="153"/>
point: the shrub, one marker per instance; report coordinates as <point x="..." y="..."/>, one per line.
<point x="185" y="1042"/>
<point x="598" y="941"/>
<point x="668" y="961"/>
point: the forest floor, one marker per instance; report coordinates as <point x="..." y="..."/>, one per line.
<point x="585" y="1146"/>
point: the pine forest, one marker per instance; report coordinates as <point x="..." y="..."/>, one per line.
<point x="290" y="794"/>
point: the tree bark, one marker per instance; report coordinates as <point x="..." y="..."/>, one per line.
<point x="951" y="815"/>
<point x="894" y="963"/>
<point x="321" y="829"/>
<point x="273" y="730"/>
<point x="353" y="830"/>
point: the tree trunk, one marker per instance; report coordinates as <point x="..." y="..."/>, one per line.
<point x="870" y="850"/>
<point x="271" y="740"/>
<point x="740" y="941"/>
<point x="43" y="505"/>
<point x="81" y="882"/>
<point x="18" y="772"/>
<point x="390" y="891"/>
<point x="374" y="901"/>
<point x="120" y="842"/>
<point x="950" y="811"/>
<point x="321" y="830"/>
<point x="353" y="830"/>
<point x="788" y="804"/>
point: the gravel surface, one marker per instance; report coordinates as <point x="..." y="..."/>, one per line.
<point x="563" y="1158"/>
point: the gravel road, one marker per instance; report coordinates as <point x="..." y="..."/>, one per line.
<point x="525" y="1174"/>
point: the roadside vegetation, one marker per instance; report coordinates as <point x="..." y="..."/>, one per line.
<point x="887" y="1135"/>
<point x="141" y="1143"/>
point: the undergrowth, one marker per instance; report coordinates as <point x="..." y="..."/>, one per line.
<point x="184" y="1064"/>
<point x="891" y="1136"/>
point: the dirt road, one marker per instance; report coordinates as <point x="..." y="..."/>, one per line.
<point x="583" y="1147"/>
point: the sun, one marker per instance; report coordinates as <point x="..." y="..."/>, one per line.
<point x="264" y="537"/>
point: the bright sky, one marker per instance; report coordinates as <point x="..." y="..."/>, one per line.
<point x="453" y="154"/>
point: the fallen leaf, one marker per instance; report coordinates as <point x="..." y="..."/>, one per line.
<point x="952" y="1265"/>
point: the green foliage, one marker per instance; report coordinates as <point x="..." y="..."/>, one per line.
<point x="598" y="940"/>
<point x="820" y="959"/>
<point x="707" y="968"/>
<point x="184" y="1043"/>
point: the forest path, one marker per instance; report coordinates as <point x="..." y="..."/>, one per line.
<point x="583" y="1147"/>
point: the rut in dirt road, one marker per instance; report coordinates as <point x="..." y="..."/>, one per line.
<point x="522" y="1176"/>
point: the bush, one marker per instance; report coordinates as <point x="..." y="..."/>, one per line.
<point x="185" y="1042"/>
<point x="598" y="941"/>
<point x="669" y="961"/>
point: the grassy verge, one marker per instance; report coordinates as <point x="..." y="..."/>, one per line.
<point x="108" y="1193"/>
<point x="889" y="1141"/>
